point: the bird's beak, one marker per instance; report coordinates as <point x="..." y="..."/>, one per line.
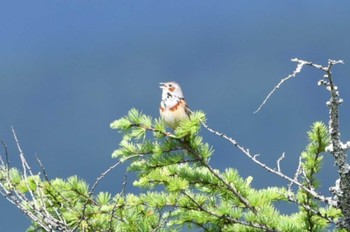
<point x="161" y="85"/>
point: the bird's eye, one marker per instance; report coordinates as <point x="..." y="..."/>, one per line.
<point x="170" y="85"/>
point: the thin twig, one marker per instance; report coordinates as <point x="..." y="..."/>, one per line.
<point x="4" y="145"/>
<point x="307" y="207"/>
<point x="254" y="158"/>
<point x="294" y="74"/>
<point x="296" y="175"/>
<point x="229" y="186"/>
<point x="103" y="174"/>
<point x="36" y="208"/>
<point x="42" y="168"/>
<point x="25" y="167"/>
<point x="279" y="161"/>
<point x="115" y="206"/>
<point x="61" y="218"/>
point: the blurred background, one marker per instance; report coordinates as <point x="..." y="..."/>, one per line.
<point x="69" y="68"/>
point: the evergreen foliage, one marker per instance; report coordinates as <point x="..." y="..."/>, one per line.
<point x="181" y="188"/>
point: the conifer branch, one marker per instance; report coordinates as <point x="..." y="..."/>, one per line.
<point x="192" y="191"/>
<point x="307" y="207"/>
<point x="115" y="206"/>
<point x="58" y="214"/>
<point x="336" y="147"/>
<point x="226" y="218"/>
<point x="246" y="151"/>
<point x="230" y="187"/>
<point x="91" y="192"/>
<point x="34" y="206"/>
<point x="200" y="159"/>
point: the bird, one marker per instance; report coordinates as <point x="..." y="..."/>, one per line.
<point x="173" y="107"/>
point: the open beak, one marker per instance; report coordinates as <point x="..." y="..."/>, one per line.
<point x="162" y="85"/>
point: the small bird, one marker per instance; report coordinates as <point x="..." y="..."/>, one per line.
<point x="173" y="107"/>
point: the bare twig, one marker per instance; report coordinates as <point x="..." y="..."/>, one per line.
<point x="42" y="168"/>
<point x="103" y="174"/>
<point x="25" y="167"/>
<point x="7" y="164"/>
<point x="4" y="145"/>
<point x="246" y="151"/>
<point x="296" y="175"/>
<point x="34" y="204"/>
<point x="115" y="206"/>
<point x="301" y="64"/>
<point x="293" y="75"/>
<point x="229" y="186"/>
<point x="279" y="161"/>
<point x="58" y="214"/>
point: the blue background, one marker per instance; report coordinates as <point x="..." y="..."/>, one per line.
<point x="69" y="68"/>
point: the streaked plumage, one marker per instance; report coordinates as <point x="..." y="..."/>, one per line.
<point x="173" y="107"/>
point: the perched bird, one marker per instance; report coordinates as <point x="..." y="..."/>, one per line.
<point x="173" y="107"/>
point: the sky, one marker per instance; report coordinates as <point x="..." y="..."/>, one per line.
<point x="70" y="68"/>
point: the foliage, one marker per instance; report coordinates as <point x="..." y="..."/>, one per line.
<point x="181" y="188"/>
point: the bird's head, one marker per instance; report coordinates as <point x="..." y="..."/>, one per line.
<point x="171" y="89"/>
